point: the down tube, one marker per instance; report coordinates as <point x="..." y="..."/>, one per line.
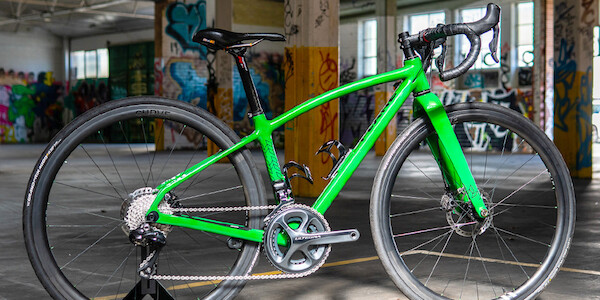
<point x="365" y="144"/>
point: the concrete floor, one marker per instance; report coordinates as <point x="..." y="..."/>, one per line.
<point x="358" y="276"/>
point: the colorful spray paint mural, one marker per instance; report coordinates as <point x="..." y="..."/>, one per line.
<point x="30" y="110"/>
<point x="573" y="47"/>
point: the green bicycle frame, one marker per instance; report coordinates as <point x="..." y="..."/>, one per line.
<point x="446" y="149"/>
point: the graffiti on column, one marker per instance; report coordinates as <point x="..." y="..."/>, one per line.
<point x="324" y="7"/>
<point x="584" y="119"/>
<point x="288" y="64"/>
<point x="565" y="69"/>
<point x="505" y="67"/>
<point x="290" y="27"/>
<point x="183" y="21"/>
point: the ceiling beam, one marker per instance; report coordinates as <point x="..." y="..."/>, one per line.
<point x="116" y="13"/>
<point x="91" y="9"/>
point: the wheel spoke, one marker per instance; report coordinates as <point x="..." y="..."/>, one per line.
<point x="484" y="267"/>
<point x="414" y="212"/>
<point x="211" y="193"/>
<point x="518" y="189"/>
<point x="90" y="246"/>
<point x="115" y="271"/>
<point x="133" y="155"/>
<point x="522" y="236"/>
<point x="103" y="174"/>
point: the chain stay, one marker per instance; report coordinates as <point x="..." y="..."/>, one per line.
<point x="235" y="277"/>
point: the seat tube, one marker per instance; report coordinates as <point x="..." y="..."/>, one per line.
<point x="249" y="88"/>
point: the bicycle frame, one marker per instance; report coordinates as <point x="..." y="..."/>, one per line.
<point x="446" y="150"/>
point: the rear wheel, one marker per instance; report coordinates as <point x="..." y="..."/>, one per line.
<point x="428" y="243"/>
<point x="80" y="203"/>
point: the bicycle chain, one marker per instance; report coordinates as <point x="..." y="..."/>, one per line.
<point x="233" y="277"/>
<point x="221" y="209"/>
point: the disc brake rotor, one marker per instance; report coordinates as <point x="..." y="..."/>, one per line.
<point x="462" y="223"/>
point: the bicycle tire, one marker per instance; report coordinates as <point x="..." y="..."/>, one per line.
<point x="424" y="255"/>
<point x="53" y="223"/>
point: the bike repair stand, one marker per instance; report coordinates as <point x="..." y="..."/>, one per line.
<point x="149" y="287"/>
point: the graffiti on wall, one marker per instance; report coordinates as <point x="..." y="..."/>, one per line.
<point x="266" y="70"/>
<point x="30" y="110"/>
<point x="183" y="20"/>
<point x="188" y="85"/>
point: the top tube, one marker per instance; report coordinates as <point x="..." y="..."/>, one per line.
<point x="410" y="70"/>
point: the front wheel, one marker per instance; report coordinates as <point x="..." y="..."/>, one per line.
<point x="93" y="185"/>
<point x="427" y="241"/>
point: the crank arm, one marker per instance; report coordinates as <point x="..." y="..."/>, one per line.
<point x="324" y="238"/>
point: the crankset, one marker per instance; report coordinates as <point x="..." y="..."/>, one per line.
<point x="298" y="238"/>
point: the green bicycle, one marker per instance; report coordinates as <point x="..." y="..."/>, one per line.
<point x="471" y="200"/>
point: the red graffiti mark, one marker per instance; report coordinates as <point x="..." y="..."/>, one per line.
<point x="328" y="124"/>
<point x="328" y="72"/>
<point x="158" y="77"/>
<point x="587" y="17"/>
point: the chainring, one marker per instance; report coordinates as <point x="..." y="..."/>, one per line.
<point x="295" y="257"/>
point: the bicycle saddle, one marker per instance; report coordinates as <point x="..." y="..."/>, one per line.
<point x="219" y="39"/>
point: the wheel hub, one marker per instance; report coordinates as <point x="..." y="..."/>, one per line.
<point x="460" y="215"/>
<point x="135" y="207"/>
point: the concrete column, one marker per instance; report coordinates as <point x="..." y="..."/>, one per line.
<point x="573" y="46"/>
<point x="311" y="68"/>
<point x="539" y="57"/>
<point x="222" y="98"/>
<point x="159" y="11"/>
<point x="549" y="69"/>
<point x="386" y="61"/>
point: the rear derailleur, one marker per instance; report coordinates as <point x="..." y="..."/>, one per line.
<point x="153" y="239"/>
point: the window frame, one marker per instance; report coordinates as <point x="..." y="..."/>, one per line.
<point x="519" y="62"/>
<point x="362" y="45"/>
<point x="81" y="72"/>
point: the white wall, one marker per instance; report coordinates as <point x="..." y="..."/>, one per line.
<point x="101" y="41"/>
<point x="34" y="50"/>
<point x="348" y="45"/>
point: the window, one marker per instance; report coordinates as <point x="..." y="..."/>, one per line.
<point x="419" y="22"/>
<point x="596" y="71"/>
<point x="524" y="34"/>
<point x="484" y="60"/>
<point x="90" y="64"/>
<point x="367" y="48"/>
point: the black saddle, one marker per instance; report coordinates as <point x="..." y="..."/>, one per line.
<point x="219" y="39"/>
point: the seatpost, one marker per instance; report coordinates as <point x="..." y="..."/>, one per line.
<point x="249" y="88"/>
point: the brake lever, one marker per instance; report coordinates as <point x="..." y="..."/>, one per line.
<point x="439" y="62"/>
<point x="494" y="44"/>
